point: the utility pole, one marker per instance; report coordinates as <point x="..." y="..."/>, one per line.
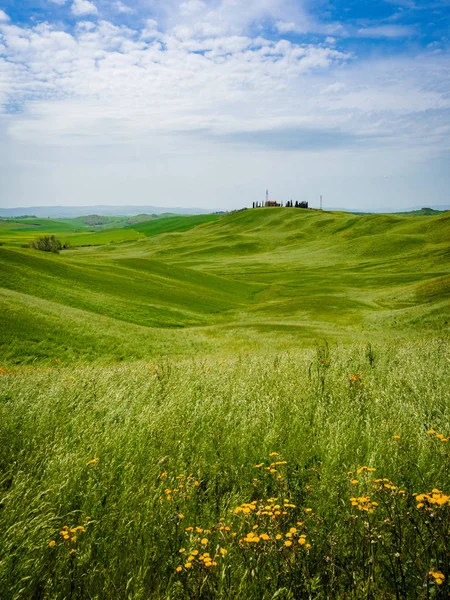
<point x="267" y="196"/>
<point x="320" y="201"/>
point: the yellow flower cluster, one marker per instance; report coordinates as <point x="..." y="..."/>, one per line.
<point x="271" y="508"/>
<point x="69" y="535"/>
<point x="94" y="461"/>
<point x="365" y="469"/>
<point x="200" y="559"/>
<point x="438" y="577"/>
<point x="364" y="503"/>
<point x="355" y="378"/>
<point x="259" y="525"/>
<point x="273" y="467"/>
<point x="438" y="436"/>
<point x="203" y="560"/>
<point x="386" y="484"/>
<point x="434" y="499"/>
<point x="182" y="489"/>
<point x="291" y="536"/>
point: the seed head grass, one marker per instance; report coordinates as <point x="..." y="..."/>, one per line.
<point x="259" y="477"/>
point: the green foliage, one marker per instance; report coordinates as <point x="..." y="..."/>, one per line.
<point x="114" y="443"/>
<point x="47" y="243"/>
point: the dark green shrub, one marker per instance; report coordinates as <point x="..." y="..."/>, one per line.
<point x="47" y="243"/>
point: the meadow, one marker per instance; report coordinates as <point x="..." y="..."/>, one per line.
<point x="254" y="407"/>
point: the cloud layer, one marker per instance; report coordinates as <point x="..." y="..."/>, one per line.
<point x="214" y="84"/>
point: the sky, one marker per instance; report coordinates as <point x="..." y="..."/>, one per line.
<point x="207" y="103"/>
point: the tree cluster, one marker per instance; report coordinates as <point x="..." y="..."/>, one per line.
<point x="47" y="243"/>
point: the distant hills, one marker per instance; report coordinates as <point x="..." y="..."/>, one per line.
<point x="67" y="212"/>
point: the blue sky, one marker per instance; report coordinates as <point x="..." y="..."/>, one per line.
<point x="208" y="102"/>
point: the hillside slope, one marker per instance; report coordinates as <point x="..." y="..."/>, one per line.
<point x="254" y="279"/>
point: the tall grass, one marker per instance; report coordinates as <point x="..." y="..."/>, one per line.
<point x="134" y="456"/>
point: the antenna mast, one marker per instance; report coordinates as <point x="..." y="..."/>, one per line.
<point x="267" y="195"/>
<point x="320" y="201"/>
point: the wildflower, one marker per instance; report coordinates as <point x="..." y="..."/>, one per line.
<point x="264" y="536"/>
<point x="259" y="466"/>
<point x="72" y="552"/>
<point x="355" y="378"/>
<point x="163" y="475"/>
<point x="52" y="544"/>
<point x="438" y="577"/>
<point x="188" y="565"/>
<point x="92" y="462"/>
<point x="274" y="454"/>
<point x="278" y="536"/>
<point x="194" y="552"/>
<point x="293" y="530"/>
<point x="431" y="432"/>
<point x="181" y="550"/>
<point x="396" y="437"/>
<point x="180" y="516"/>
<point x="204" y="541"/>
<point x="355" y="481"/>
<point x="223" y="551"/>
<point x="179" y="569"/>
<point x="288" y="543"/>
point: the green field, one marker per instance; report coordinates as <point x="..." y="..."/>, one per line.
<point x="95" y="230"/>
<point x="251" y="280"/>
<point x="197" y="411"/>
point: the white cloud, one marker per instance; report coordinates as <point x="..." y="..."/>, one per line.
<point x="386" y="31"/>
<point x="123" y="8"/>
<point x="83" y="7"/>
<point x="3" y="16"/>
<point x="192" y="7"/>
<point x="284" y="27"/>
<point x="61" y="2"/>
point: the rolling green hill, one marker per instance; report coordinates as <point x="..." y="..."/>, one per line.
<point x="255" y="279"/>
<point x="96" y="230"/>
<point x="253" y="406"/>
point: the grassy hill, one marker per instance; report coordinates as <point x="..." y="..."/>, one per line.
<point x="254" y="279"/>
<point x="253" y="406"/>
<point x="96" y="230"/>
